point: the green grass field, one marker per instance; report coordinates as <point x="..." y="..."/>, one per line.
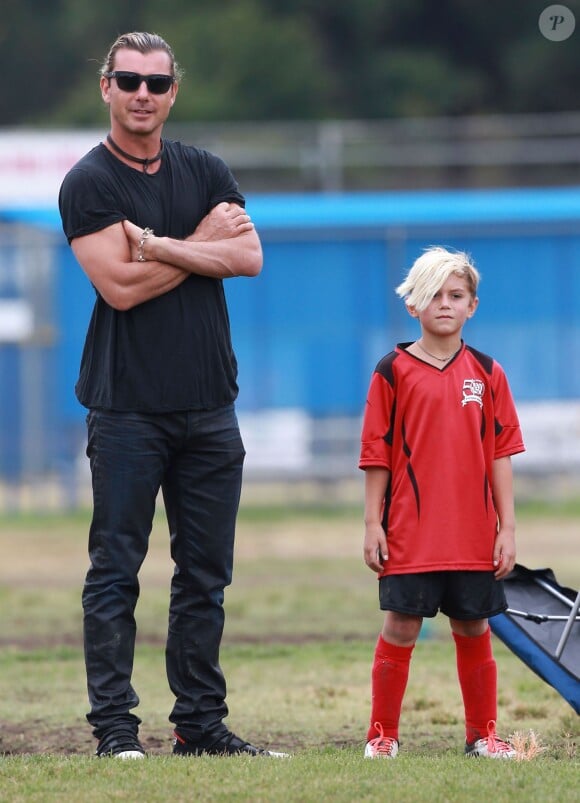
<point x="302" y="620"/>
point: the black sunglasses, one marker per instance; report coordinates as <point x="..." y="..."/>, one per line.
<point x="131" y="81"/>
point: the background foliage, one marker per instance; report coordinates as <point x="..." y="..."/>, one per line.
<point x="293" y="59"/>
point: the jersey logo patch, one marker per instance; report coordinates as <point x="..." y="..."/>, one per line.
<point x="473" y="390"/>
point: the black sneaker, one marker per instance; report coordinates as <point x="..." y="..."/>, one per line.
<point x="227" y="745"/>
<point x="120" y="744"/>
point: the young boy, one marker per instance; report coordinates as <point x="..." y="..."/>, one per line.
<point x="439" y="428"/>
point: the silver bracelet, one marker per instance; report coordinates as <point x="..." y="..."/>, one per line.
<point x="145" y="234"/>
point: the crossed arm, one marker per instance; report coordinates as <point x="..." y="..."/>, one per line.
<point x="224" y="244"/>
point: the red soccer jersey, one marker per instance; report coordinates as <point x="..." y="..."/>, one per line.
<point x="438" y="433"/>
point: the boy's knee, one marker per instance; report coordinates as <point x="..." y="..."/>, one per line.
<point x="401" y="629"/>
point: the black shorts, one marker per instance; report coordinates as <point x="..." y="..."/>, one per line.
<point x="457" y="594"/>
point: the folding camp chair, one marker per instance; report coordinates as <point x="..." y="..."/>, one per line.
<point x="542" y="627"/>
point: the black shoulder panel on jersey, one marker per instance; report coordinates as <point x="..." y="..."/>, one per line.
<point x="385" y="367"/>
<point x="484" y="360"/>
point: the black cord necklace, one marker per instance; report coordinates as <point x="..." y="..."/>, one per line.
<point x="434" y="356"/>
<point x="138" y="159"/>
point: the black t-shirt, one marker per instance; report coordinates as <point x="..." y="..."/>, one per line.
<point x="173" y="352"/>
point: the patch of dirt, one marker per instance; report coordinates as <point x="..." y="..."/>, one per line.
<point x="38" y="738"/>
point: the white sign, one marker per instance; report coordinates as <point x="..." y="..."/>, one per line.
<point x="33" y="163"/>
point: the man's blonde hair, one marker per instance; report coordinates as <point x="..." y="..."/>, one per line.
<point x="430" y="272"/>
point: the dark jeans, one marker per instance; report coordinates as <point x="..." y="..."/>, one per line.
<point x="196" y="458"/>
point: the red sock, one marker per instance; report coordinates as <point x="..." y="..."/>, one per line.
<point x="389" y="680"/>
<point x="477" y="673"/>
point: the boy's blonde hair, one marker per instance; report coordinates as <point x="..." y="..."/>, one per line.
<point x="430" y="272"/>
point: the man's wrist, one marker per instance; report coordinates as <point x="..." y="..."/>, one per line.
<point x="145" y="235"/>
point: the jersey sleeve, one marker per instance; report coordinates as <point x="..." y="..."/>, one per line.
<point x="508" y="434"/>
<point x="376" y="443"/>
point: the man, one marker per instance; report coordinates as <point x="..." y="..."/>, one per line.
<point x="157" y="226"/>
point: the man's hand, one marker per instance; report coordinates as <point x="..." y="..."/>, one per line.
<point x="224" y="221"/>
<point x="133" y="233"/>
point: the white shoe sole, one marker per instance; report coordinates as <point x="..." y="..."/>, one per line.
<point x="370" y="754"/>
<point x="129" y="754"/>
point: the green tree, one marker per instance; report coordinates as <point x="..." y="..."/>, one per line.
<point x="243" y="62"/>
<point x="49" y="51"/>
<point x="293" y="59"/>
